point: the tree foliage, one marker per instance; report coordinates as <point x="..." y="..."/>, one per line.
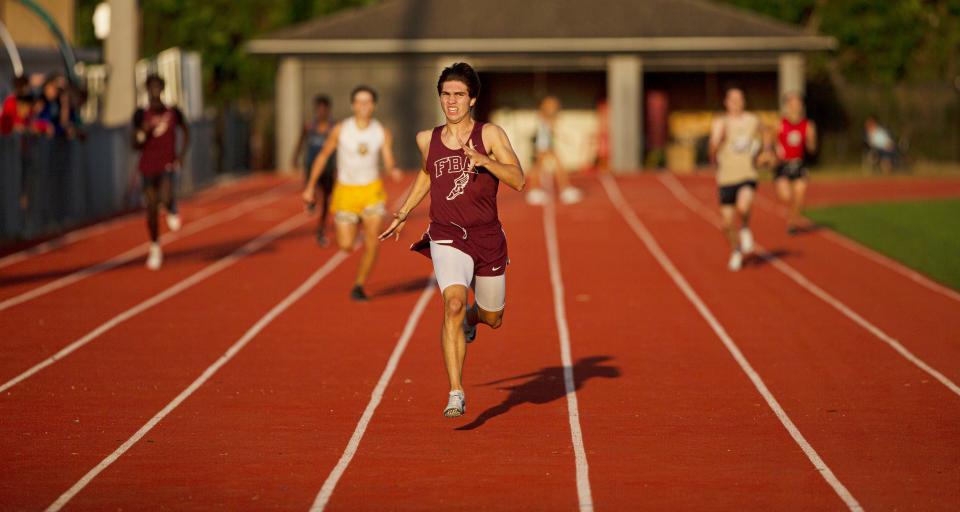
<point x="218" y="30"/>
<point x="879" y="42"/>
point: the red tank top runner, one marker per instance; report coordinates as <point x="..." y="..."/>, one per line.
<point x="160" y="149"/>
<point x="793" y="139"/>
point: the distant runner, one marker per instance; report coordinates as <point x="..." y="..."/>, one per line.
<point x="734" y="141"/>
<point x="358" y="196"/>
<point x="155" y="135"/>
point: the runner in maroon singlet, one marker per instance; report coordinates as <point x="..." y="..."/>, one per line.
<point x="464" y="163"/>
<point x="155" y="135"/>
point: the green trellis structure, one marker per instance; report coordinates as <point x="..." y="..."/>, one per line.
<point x="66" y="51"/>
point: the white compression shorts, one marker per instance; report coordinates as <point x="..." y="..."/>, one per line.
<point x="453" y="266"/>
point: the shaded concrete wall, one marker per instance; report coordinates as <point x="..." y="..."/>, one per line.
<point x="406" y="87"/>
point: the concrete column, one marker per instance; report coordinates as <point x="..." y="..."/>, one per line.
<point x="625" y="102"/>
<point x="121" y="51"/>
<point x="289" y="104"/>
<point x="791" y="73"/>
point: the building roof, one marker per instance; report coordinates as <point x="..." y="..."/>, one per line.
<point x="445" y="26"/>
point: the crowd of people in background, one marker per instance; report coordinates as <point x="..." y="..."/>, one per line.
<point x="51" y="108"/>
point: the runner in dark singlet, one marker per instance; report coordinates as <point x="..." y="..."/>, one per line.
<point x="314" y="135"/>
<point x="464" y="163"/>
<point x="155" y="135"/>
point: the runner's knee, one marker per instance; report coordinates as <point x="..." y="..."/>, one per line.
<point x="453" y="306"/>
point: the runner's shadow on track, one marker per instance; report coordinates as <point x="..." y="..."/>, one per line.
<point x="416" y="284"/>
<point x="764" y="258"/>
<point x="810" y="229"/>
<point x="544" y="386"/>
<point x="206" y="253"/>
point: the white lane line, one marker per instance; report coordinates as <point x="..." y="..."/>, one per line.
<point x="691" y="202"/>
<point x="870" y="254"/>
<point x="326" y="491"/>
<point x="99" y="228"/>
<point x="207" y="374"/>
<point x="584" y="494"/>
<point x="211" y="220"/>
<point x="247" y="249"/>
<point x="616" y="197"/>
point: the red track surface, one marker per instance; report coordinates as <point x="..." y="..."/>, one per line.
<point x="669" y="419"/>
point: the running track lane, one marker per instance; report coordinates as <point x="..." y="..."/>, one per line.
<point x="26" y="285"/>
<point x="116" y="402"/>
<point x="512" y="450"/>
<point x="314" y="359"/>
<point x="47" y="324"/>
<point x="886" y="429"/>
<point x="665" y="409"/>
<point x="197" y="203"/>
<point x="81" y="406"/>
<point x="926" y="322"/>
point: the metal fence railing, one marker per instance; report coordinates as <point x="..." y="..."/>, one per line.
<point x="48" y="185"/>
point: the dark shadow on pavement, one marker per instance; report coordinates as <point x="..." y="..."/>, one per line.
<point x="544" y="386"/>
<point x="403" y="287"/>
<point x="806" y="230"/>
<point x="759" y="259"/>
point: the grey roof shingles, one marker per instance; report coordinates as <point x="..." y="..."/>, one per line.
<point x="499" y="19"/>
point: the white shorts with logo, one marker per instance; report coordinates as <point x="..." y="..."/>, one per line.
<point x="453" y="266"/>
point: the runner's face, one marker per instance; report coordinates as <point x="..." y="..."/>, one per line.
<point x="455" y="100"/>
<point x="322" y="111"/>
<point x="154" y="90"/>
<point x="794" y="107"/>
<point x="734" y="101"/>
<point x="363" y="105"/>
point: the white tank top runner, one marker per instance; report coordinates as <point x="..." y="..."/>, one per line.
<point x="358" y="152"/>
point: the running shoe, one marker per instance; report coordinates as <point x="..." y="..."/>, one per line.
<point x="154" y="257"/>
<point x="174" y="222"/>
<point x="746" y="240"/>
<point x="322" y="240"/>
<point x="537" y="196"/>
<point x="736" y="261"/>
<point x="469" y="331"/>
<point x="571" y="195"/>
<point x="358" y="294"/>
<point x="456" y="405"/>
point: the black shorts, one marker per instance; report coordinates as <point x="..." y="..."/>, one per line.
<point x="792" y="170"/>
<point x="728" y="193"/>
<point x="327" y="178"/>
<point x="156" y="181"/>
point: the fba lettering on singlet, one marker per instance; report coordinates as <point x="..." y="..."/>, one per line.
<point x="451" y="165"/>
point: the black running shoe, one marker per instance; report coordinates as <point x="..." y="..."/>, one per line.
<point x="358" y="294"/>
<point x="322" y="240"/>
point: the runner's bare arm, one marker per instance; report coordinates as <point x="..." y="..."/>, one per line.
<point x="386" y="152"/>
<point x="811" y="137"/>
<point x="716" y="138"/>
<point x="182" y="123"/>
<point x="504" y="165"/>
<point x="296" y="152"/>
<point x="419" y="190"/>
<point x="320" y="163"/>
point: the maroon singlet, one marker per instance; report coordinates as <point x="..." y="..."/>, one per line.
<point x="463" y="206"/>
<point x="160" y="149"/>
